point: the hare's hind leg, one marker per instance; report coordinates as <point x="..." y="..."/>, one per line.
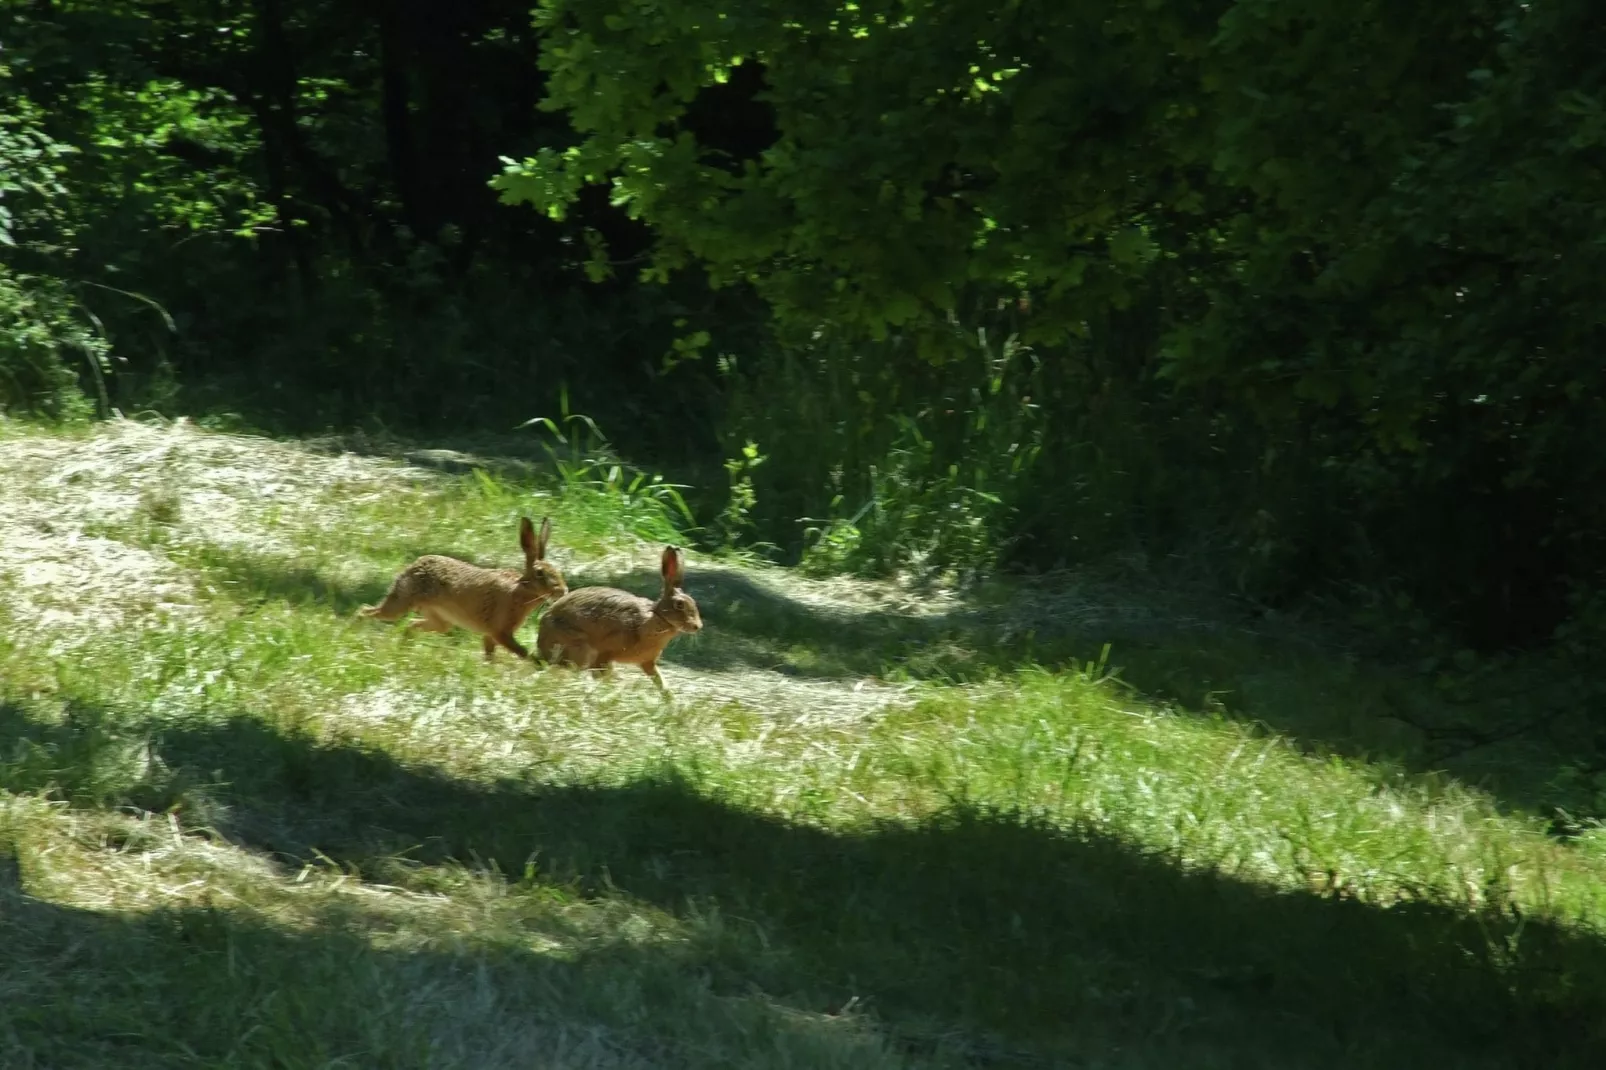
<point x="429" y="622"/>
<point x="549" y="645"/>
<point x="395" y="606"/>
<point x="558" y="647"/>
<point x="578" y="653"/>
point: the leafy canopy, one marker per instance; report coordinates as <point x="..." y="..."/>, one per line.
<point x="922" y="154"/>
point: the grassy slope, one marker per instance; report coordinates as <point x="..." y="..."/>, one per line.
<point x="238" y="827"/>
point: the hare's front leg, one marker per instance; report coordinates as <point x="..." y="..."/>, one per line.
<point x="505" y="639"/>
<point x="580" y="655"/>
<point x="651" y="669"/>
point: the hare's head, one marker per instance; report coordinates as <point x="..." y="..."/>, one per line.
<point x="541" y="580"/>
<point x="675" y="606"/>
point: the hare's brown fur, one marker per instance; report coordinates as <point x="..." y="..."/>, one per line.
<point x="594" y="627"/>
<point x="491" y="602"/>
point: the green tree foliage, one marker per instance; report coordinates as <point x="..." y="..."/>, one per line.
<point x="1356" y="244"/>
<point x="44" y="336"/>
<point x="1408" y="304"/>
<point x="301" y="185"/>
<point x="920" y="152"/>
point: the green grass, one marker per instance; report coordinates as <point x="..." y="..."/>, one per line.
<point x="239" y="827"/>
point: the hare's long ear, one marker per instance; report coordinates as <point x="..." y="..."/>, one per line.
<point x="527" y="540"/>
<point x="672" y="568"/>
<point x="546" y="537"/>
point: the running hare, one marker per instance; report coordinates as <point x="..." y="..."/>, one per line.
<point x="593" y="627"/>
<point x="492" y="602"/>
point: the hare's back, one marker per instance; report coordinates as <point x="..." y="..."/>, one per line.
<point x="435" y="574"/>
<point x="599" y="611"/>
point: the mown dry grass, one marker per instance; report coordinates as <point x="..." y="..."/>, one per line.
<point x="239" y="827"/>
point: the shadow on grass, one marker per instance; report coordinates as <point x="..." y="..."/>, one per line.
<point x="515" y="456"/>
<point x="298" y="586"/>
<point x="1037" y="944"/>
<point x="1528" y="739"/>
<point x="250" y="579"/>
<point x="204" y="986"/>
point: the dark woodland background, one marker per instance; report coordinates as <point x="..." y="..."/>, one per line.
<point x="1298" y="300"/>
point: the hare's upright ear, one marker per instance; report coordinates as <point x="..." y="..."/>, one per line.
<point x="672" y="568"/>
<point x="527" y="540"/>
<point x="546" y="537"/>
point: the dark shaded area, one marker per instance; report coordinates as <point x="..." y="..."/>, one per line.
<point x="1048" y="942"/>
<point x="213" y="986"/>
<point x="732" y="120"/>
<point x="179" y="988"/>
<point x="386" y="287"/>
<point x="250" y="580"/>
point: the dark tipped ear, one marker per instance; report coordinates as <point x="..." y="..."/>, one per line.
<point x="527" y="539"/>
<point x="672" y="566"/>
<point x="546" y="536"/>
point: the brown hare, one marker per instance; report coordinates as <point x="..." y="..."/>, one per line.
<point x="593" y="627"/>
<point x="491" y="602"/>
